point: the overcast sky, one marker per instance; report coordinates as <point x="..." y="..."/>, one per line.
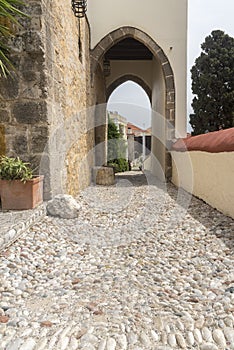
<point x="204" y="16"/>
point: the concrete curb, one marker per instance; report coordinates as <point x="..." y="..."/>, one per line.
<point x="23" y="221"/>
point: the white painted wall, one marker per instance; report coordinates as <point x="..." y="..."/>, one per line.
<point x="208" y="176"/>
<point x="165" y="21"/>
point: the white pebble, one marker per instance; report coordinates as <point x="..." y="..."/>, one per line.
<point x="110" y="344"/>
<point x="219" y="338"/>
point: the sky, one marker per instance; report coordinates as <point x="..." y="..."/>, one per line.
<point x="203" y="17"/>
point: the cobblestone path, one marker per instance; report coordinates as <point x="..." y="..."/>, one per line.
<point x="138" y="269"/>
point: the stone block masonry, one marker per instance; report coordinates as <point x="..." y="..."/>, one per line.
<point x="50" y="87"/>
<point x="23" y="106"/>
<point x="68" y="82"/>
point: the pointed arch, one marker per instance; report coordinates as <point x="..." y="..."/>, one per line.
<point x="98" y="52"/>
<point x="125" y="78"/>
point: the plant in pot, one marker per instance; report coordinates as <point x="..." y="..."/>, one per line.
<point x="19" y="188"/>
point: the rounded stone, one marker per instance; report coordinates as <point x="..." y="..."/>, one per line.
<point x="208" y="346"/>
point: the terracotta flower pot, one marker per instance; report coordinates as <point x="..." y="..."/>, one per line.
<point x="17" y="195"/>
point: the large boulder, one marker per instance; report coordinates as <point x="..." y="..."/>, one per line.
<point x="63" y="206"/>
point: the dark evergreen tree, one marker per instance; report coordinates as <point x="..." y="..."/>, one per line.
<point x="213" y="84"/>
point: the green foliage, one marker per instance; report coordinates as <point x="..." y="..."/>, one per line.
<point x="14" y="169"/>
<point x="116" y="144"/>
<point x="213" y="84"/>
<point x="8" y="13"/>
<point x="113" y="132"/>
<point x="119" y="165"/>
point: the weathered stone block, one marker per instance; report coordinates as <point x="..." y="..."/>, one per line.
<point x="36" y="9"/>
<point x="29" y="112"/>
<point x="167" y="69"/>
<point x="31" y="91"/>
<point x="29" y="75"/>
<point x="154" y="47"/>
<point x="98" y="52"/>
<point x="9" y="87"/>
<point x="35" y="23"/>
<point x="16" y="44"/>
<point x="39" y="139"/>
<point x="104" y="176"/>
<point x="117" y="35"/>
<point x="20" y="144"/>
<point x="32" y="42"/>
<point x="4" y="116"/>
<point x="162" y="57"/>
<point x="32" y="62"/>
<point x="107" y="42"/>
<point x="2" y="140"/>
<point x="32" y="22"/>
<point x="171" y="96"/>
<point x="129" y="31"/>
<point x="15" y="60"/>
<point x="170" y="83"/>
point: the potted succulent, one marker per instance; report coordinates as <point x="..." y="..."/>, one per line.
<point x="19" y="188"/>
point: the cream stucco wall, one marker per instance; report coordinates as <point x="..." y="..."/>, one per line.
<point x="165" y="21"/>
<point x="158" y="159"/>
<point x="211" y="178"/>
<point x="141" y="69"/>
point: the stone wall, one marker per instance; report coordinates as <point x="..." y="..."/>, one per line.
<point x="45" y="102"/>
<point x="68" y="74"/>
<point x="23" y="107"/>
<point x="100" y="116"/>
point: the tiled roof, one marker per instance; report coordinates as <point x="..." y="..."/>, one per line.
<point x="213" y="142"/>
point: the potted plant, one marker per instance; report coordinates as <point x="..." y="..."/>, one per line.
<point x="19" y="188"/>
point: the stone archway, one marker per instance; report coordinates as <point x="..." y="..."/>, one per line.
<point x="163" y="105"/>
<point x="117" y="35"/>
<point x="125" y="78"/>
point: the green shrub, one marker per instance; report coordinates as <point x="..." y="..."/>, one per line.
<point x="14" y="169"/>
<point x="120" y="165"/>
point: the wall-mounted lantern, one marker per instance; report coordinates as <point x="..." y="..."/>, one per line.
<point x="79" y="7"/>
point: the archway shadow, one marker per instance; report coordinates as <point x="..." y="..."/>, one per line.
<point x="136" y="178"/>
<point x="214" y="222"/>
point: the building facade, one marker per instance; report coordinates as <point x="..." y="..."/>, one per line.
<point x="53" y="111"/>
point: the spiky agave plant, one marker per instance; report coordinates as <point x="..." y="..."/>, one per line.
<point x="8" y="14"/>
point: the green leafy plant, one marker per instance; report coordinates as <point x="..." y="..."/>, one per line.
<point x="116" y="148"/>
<point x="14" y="169"/>
<point x="119" y="165"/>
<point x="8" y="17"/>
